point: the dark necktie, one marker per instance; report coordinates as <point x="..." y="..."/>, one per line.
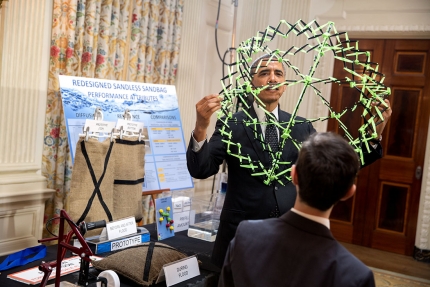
<point x="271" y="136"/>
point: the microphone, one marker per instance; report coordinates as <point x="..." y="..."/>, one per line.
<point x="84" y="227"/>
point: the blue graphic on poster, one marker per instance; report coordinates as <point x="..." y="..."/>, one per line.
<point x="156" y="106"/>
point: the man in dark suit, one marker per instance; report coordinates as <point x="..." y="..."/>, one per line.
<point x="298" y="249"/>
<point x="248" y="197"/>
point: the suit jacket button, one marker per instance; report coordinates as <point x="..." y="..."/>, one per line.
<point x="276" y="188"/>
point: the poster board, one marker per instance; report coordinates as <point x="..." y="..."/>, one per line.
<point x="156" y="106"/>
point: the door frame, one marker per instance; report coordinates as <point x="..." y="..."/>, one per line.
<point x="376" y="31"/>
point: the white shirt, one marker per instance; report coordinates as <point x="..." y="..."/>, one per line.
<point x="261" y="115"/>
<point x="324" y="221"/>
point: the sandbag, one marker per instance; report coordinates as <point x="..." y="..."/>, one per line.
<point x="141" y="264"/>
<point x="91" y="188"/>
<point x="129" y="175"/>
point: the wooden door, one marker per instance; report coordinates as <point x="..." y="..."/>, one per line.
<point x="383" y="213"/>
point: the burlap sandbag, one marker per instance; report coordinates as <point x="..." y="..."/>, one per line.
<point x="132" y="262"/>
<point x="82" y="185"/>
<point x="129" y="173"/>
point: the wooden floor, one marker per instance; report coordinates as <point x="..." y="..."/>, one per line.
<point x="390" y="261"/>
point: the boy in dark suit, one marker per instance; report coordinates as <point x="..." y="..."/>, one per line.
<point x="298" y="249"/>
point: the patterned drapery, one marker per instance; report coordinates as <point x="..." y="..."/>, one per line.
<point x="133" y="40"/>
<point x="154" y="42"/>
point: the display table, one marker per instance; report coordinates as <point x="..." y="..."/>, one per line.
<point x="202" y="249"/>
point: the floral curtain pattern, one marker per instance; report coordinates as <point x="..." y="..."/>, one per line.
<point x="154" y="41"/>
<point x="90" y="38"/>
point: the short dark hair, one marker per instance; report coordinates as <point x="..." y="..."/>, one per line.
<point x="326" y="168"/>
<point x="263" y="58"/>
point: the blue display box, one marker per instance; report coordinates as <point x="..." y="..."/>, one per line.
<point x="101" y="246"/>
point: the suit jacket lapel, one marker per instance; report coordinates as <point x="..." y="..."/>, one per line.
<point x="263" y="156"/>
<point x="284" y="118"/>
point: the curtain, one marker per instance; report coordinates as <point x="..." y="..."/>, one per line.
<point x="103" y="39"/>
<point x="154" y="42"/>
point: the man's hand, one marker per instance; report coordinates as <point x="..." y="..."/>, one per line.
<point x="204" y="110"/>
<point x="386" y="115"/>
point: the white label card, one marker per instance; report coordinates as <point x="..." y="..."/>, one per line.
<point x="129" y="126"/>
<point x="120" y="228"/>
<point x="177" y="205"/>
<point x="99" y="126"/>
<point x="179" y="271"/>
<point x="187" y="201"/>
<point x="181" y="220"/>
<point x="126" y="242"/>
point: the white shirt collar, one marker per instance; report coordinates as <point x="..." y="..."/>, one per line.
<point x="261" y="115"/>
<point x="324" y="221"/>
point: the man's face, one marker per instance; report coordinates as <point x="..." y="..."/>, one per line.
<point x="270" y="74"/>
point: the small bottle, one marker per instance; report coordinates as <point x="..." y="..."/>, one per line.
<point x="222" y="178"/>
<point x="221" y="196"/>
<point x="223" y="188"/>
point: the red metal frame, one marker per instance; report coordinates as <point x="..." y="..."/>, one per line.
<point x="63" y="244"/>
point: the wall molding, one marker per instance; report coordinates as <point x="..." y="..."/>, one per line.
<point x="24" y="61"/>
<point x="422" y="240"/>
<point x="387" y="31"/>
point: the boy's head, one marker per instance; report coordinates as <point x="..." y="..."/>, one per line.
<point x="325" y="170"/>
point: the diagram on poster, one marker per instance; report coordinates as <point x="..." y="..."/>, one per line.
<point x="164" y="216"/>
<point x="156" y="106"/>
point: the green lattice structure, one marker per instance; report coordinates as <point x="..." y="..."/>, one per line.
<point x="363" y="76"/>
